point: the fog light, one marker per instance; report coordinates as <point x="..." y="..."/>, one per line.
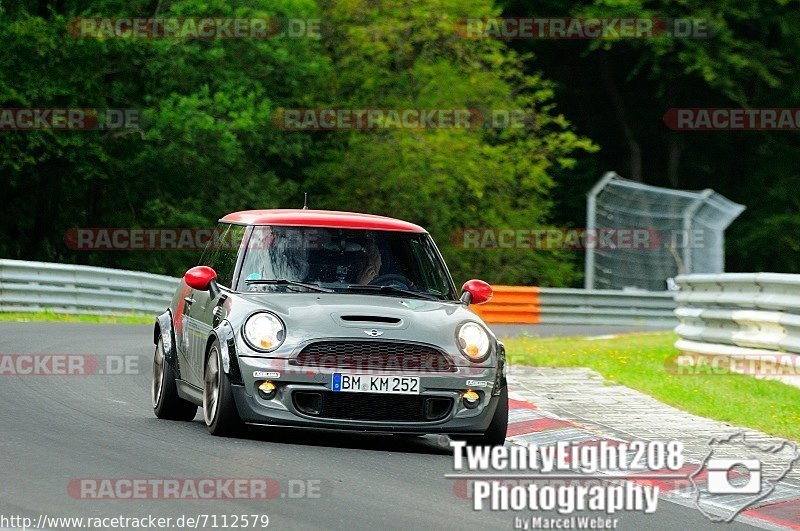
<point x="267" y="390"/>
<point x="471" y="399"/>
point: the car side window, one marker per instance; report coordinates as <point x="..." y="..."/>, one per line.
<point x="221" y="252"/>
<point x="435" y="277"/>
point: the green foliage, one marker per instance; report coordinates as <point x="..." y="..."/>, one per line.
<point x="749" y="59"/>
<point x="208" y="146"/>
<point x="446" y="180"/>
<point x="48" y="316"/>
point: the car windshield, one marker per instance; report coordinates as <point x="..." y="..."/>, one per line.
<point x="281" y="258"/>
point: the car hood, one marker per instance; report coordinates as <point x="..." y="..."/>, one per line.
<point x="285" y="303"/>
<point x="312" y="316"/>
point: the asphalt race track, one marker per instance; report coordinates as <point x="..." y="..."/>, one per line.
<point x="56" y="429"/>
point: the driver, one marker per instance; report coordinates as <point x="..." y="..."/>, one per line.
<point x="372" y="264"/>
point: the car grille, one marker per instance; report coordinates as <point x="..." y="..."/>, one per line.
<point x="386" y="356"/>
<point x="372" y="406"/>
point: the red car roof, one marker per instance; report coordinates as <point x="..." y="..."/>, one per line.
<point x="320" y="218"/>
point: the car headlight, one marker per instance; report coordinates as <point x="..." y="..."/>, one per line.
<point x="473" y="341"/>
<point x="264" y="331"/>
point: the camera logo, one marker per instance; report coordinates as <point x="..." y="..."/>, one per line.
<point x="737" y="474"/>
<point x="722" y="476"/>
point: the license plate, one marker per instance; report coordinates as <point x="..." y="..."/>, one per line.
<point x="368" y="383"/>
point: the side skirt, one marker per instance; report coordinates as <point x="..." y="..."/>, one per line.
<point x="189" y="392"/>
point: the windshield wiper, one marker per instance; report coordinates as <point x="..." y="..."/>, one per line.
<point x="392" y="289"/>
<point x="286" y="282"/>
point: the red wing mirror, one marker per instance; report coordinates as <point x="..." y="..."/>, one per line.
<point x="200" y="277"/>
<point x="476" y="292"/>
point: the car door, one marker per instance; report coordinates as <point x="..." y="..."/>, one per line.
<point x="180" y="326"/>
<point x="205" y="311"/>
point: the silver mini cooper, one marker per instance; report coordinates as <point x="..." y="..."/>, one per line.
<point x="331" y="320"/>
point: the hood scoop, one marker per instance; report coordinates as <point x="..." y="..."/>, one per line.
<point x="365" y="319"/>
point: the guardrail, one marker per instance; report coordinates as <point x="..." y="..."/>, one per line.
<point x="515" y="304"/>
<point x="66" y="288"/>
<point x="744" y="315"/>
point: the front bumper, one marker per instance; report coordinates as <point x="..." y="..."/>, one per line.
<point x="282" y="409"/>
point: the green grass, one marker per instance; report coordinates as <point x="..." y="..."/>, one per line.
<point x="51" y="317"/>
<point x="638" y="361"/>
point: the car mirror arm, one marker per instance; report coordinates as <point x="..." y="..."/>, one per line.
<point x="213" y="289"/>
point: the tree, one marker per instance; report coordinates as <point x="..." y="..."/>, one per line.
<point x="206" y="145"/>
<point x="446" y="180"/>
<point x="616" y="91"/>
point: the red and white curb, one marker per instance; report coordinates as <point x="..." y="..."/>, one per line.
<point x="527" y="424"/>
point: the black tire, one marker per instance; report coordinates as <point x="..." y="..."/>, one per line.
<point x="220" y="415"/>
<point x="164" y="393"/>
<point x="495" y="435"/>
